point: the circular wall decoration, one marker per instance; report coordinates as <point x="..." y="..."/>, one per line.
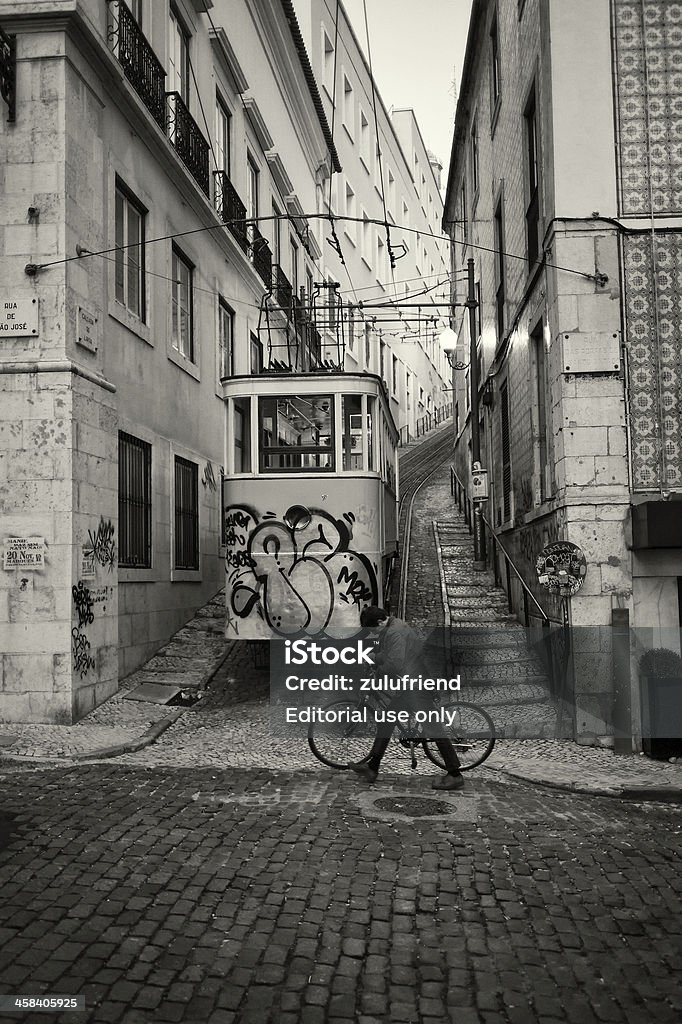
<point x="561" y="568"/>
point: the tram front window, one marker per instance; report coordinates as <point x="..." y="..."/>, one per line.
<point x="296" y="434"/>
<point x="352" y="433"/>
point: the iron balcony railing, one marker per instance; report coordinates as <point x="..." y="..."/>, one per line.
<point x="231" y="209"/>
<point x="187" y="140"/>
<point x="260" y="255"/>
<point x="140" y="64"/>
<point x="281" y="287"/>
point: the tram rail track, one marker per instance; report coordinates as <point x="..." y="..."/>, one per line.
<point x="416" y="466"/>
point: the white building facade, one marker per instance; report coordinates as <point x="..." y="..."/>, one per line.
<point x="148" y="143"/>
<point x="388" y="178"/>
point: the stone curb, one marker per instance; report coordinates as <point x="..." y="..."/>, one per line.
<point x="128" y="747"/>
<point x="666" y="794"/>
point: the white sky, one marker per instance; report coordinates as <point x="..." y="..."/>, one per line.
<point x="417" y="54"/>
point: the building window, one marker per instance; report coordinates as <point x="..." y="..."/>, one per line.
<point x="328" y="58"/>
<point x="225" y="339"/>
<point x="395" y="375"/>
<point x="381" y="260"/>
<point x="255" y="355"/>
<point x="186" y="514"/>
<point x="474" y="157"/>
<point x="130" y="255"/>
<point x="506" y="452"/>
<point x="479" y="309"/>
<point x="495" y="80"/>
<point x="178" y="58"/>
<point x="134" y="502"/>
<point x="463" y="213"/>
<point x="348" y="107"/>
<point x="499" y="270"/>
<point x="365" y="142"/>
<point x="294" y="266"/>
<point x="276" y="243"/>
<point x="540" y="389"/>
<point x="252" y="189"/>
<point x="366" y="237"/>
<point x="532" y="181"/>
<point x="136" y="10"/>
<point x="350" y="227"/>
<point x="181" y="306"/>
<point x="222" y="137"/>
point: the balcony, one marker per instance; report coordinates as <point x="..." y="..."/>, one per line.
<point x="281" y="287"/>
<point x="187" y="140"/>
<point x="139" y="62"/>
<point x="231" y="209"/>
<point x="260" y="255"/>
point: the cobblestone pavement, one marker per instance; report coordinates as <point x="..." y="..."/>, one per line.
<point x="245" y="897"/>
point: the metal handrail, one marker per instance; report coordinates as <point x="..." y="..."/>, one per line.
<point x="527" y="593"/>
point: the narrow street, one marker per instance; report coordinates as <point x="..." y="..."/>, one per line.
<point x="222" y="875"/>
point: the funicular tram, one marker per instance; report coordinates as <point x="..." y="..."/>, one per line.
<point x="310" y="487"/>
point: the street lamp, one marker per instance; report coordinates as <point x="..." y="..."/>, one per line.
<point x="447" y="340"/>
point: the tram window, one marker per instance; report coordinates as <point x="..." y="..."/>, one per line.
<point x="352" y="443"/>
<point x="296" y="433"/>
<point x="370" y="436"/>
<point x="242" y="435"/>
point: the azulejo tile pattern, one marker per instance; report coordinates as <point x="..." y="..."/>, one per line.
<point x="648" y="56"/>
<point x="654" y="338"/>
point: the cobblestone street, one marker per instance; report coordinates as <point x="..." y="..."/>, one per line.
<point x="255" y="896"/>
<point x="219" y="874"/>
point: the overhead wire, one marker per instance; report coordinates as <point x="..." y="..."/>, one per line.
<point x="307" y="216"/>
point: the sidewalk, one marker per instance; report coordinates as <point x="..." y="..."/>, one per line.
<point x="213" y="733"/>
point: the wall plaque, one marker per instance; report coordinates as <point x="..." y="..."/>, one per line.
<point x="18" y="317"/>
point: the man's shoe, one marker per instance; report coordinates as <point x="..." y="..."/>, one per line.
<point x="365" y="771"/>
<point x="448" y="782"/>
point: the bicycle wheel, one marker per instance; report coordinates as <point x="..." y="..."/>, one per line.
<point x="472" y="734"/>
<point x="344" y="742"/>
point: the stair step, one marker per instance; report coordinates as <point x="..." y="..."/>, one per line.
<point x="483" y="615"/>
<point x="492" y="604"/>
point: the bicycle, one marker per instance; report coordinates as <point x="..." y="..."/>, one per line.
<point x="471" y="733"/>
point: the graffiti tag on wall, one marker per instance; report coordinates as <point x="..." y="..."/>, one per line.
<point x="83" y="602"/>
<point x="294" y="574"/>
<point x="208" y="477"/>
<point x="101" y="544"/>
<point x="82" y="660"/>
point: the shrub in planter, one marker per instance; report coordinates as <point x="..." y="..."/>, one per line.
<point x="660" y="662"/>
<point x="661" y="690"/>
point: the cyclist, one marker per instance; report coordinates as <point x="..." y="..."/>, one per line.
<point x="399" y="653"/>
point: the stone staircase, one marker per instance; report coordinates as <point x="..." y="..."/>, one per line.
<point x="500" y="670"/>
<point x="191" y="656"/>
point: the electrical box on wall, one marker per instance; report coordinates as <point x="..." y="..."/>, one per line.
<point x="587" y="352"/>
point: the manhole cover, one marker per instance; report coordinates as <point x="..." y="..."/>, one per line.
<point x="413" y="807"/>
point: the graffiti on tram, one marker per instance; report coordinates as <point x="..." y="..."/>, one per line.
<point x="294" y="574"/>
